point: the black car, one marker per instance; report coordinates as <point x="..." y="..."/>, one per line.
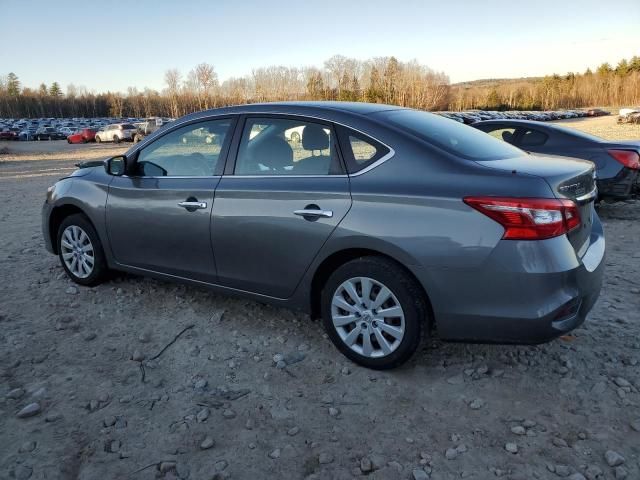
<point x="49" y="133"/>
<point x="617" y="162"/>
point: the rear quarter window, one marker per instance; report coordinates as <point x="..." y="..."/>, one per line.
<point x="360" y="150"/>
<point x="449" y="135"/>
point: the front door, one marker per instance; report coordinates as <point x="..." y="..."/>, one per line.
<point x="159" y="214"/>
<point x="280" y="204"/>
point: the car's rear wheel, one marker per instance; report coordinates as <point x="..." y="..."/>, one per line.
<point x="374" y="312"/>
<point x="116" y="139"/>
<point x="80" y="251"/>
<point x="98" y="139"/>
<point x="68" y="141"/>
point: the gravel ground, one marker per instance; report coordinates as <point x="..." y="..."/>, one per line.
<point x="139" y="378"/>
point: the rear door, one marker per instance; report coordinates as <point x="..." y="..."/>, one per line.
<point x="159" y="214"/>
<point x="277" y="203"/>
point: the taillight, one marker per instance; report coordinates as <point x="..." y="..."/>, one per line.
<point x="628" y="158"/>
<point x="529" y="218"/>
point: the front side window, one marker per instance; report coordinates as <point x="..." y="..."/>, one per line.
<point x="191" y="151"/>
<point x="284" y="146"/>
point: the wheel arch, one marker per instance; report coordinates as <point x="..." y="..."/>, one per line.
<point x="338" y="258"/>
<point x="57" y="216"/>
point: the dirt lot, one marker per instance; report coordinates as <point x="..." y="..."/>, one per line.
<point x="213" y="404"/>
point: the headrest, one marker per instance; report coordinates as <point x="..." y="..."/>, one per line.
<point x="274" y="153"/>
<point x="507" y="136"/>
<point x="314" y="138"/>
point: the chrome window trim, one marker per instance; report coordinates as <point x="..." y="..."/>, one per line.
<point x="173" y="176"/>
<point x="375" y="164"/>
<point x="588" y="196"/>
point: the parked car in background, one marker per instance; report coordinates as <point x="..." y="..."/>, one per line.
<point x="147" y="128"/>
<point x="8" y="134"/>
<point x="48" y="133"/>
<point x="82" y="136"/>
<point x="386" y="222"/>
<point x="597" y="112"/>
<point x="617" y="162"/>
<point x="116" y="132"/>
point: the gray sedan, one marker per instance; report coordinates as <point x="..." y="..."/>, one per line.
<point x="389" y="223"/>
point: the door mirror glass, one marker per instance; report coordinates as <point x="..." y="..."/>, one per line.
<point x="116" y="165"/>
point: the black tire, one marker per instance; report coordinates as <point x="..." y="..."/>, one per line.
<point x="116" y="139"/>
<point x="407" y="292"/>
<point x="98" y="139"/>
<point x="38" y="137"/>
<point x="100" y="269"/>
<point x="68" y="141"/>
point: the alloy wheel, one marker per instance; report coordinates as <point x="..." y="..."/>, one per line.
<point x="368" y="317"/>
<point x="77" y="251"/>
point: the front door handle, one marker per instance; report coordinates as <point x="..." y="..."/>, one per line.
<point x="313" y="212"/>
<point x="193" y="205"/>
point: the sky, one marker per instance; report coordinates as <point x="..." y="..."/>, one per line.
<point x="113" y="45"/>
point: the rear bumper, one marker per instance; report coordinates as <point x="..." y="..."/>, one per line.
<point x="619" y="187"/>
<point x="526" y="292"/>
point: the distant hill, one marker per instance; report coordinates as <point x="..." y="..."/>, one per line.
<point x="494" y="82"/>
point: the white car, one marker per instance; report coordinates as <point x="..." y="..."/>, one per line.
<point x="116" y="132"/>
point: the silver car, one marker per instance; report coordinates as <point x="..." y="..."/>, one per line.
<point x="389" y="223"/>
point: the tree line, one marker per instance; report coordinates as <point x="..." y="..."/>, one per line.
<point x="378" y="80"/>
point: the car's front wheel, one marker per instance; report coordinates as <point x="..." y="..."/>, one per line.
<point x="98" y="139"/>
<point x="80" y="251"/>
<point x="374" y="312"/>
<point x="116" y="139"/>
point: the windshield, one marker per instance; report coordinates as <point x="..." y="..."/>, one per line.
<point x="451" y="136"/>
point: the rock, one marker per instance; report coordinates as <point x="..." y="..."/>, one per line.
<point x="620" y="473"/>
<point x="293" y="431"/>
<point x="275" y="453"/>
<point x="456" y="380"/>
<point x="229" y="414"/>
<point x="562" y="470"/>
<point x="294" y="357"/>
<point x="250" y="424"/>
<point x="451" y="453"/>
<point x="334" y="412"/>
<point x="511" y="447"/>
<point x="518" y="430"/>
<point x="30" y="410"/>
<point x="220" y="465"/>
<point x="613" y="458"/>
<point x="137" y="356"/>
<point x="635" y="424"/>
<point x="365" y="465"/>
<point x="419" y="474"/>
<point x="27" y="447"/>
<point x="476" y="404"/>
<point x="529" y="424"/>
<point x="53" y="417"/>
<point x="90" y="336"/>
<point x="278" y="357"/>
<point x="202" y="415"/>
<point x="109" y="421"/>
<point x="621" y="382"/>
<point x="16" y="393"/>
<point x="559" y="442"/>
<point x="201" y="384"/>
<point x="577" y="476"/>
<point x="182" y="470"/>
<point x="207" y="443"/>
<point x="144" y="337"/>
<point x="345" y="371"/>
<point x="72" y="290"/>
<point x="594" y="472"/>
<point x="325" y="458"/>
<point x="167" y="466"/>
<point x="114" y="446"/>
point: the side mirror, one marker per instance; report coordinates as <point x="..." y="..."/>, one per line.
<point x="116" y="166"/>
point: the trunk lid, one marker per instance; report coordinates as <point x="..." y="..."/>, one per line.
<point x="568" y="178"/>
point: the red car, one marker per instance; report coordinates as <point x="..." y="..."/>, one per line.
<point x="7" y="134"/>
<point x="82" y="136"/>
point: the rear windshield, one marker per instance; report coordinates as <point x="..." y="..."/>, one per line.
<point x="128" y="126"/>
<point x="451" y="136"/>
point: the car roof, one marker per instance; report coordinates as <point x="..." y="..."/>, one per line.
<point x="300" y="108"/>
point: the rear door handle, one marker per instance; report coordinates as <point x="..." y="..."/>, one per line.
<point x="193" y="205"/>
<point x="312" y="212"/>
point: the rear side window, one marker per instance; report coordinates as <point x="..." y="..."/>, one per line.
<point x="501" y="133"/>
<point x="359" y="150"/>
<point x="533" y="138"/>
<point x="449" y="135"/>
